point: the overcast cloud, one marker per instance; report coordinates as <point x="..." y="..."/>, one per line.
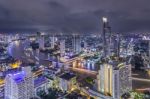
<point x="74" y="16"/>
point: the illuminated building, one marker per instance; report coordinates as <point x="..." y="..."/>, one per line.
<point x="114" y="79"/>
<point x="41" y="40"/>
<point x="90" y="65"/>
<point x="148" y="72"/>
<point x="62" y="47"/>
<point x="84" y="64"/>
<point x="19" y="85"/>
<point x="41" y="83"/>
<point x="2" y="88"/>
<point x="68" y="44"/>
<point x="106" y="36"/>
<point x="53" y="39"/>
<point x="15" y="65"/>
<point x="67" y="82"/>
<point x="57" y="64"/>
<point x="85" y="44"/>
<point x="76" y="44"/>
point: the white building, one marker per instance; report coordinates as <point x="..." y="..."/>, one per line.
<point x="53" y="40"/>
<point x="67" y="82"/>
<point x="114" y="79"/>
<point x="62" y="47"/>
<point x="41" y="42"/>
<point x="41" y="83"/>
<point x="19" y="85"/>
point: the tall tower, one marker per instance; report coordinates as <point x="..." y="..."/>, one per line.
<point x="62" y="47"/>
<point x="149" y="48"/>
<point x="53" y="41"/>
<point x="19" y="85"/>
<point x="106" y="37"/>
<point x="40" y="40"/>
<point x="29" y="81"/>
<point x="118" y="45"/>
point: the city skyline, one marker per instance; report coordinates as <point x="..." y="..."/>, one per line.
<point x="74" y="49"/>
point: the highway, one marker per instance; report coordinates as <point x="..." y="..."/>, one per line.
<point x="83" y="71"/>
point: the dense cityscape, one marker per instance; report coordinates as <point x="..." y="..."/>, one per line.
<point x="50" y="66"/>
<point x="74" y="49"/>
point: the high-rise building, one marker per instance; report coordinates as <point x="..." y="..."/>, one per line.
<point x="40" y="38"/>
<point x="114" y="79"/>
<point x="41" y="42"/>
<point x="19" y="85"/>
<point x="76" y="44"/>
<point x="53" y="40"/>
<point x="62" y="47"/>
<point x="106" y="37"/>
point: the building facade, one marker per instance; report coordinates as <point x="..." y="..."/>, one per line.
<point x="114" y="79"/>
<point x="19" y="85"/>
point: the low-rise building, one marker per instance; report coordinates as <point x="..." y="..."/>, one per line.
<point x="67" y="82"/>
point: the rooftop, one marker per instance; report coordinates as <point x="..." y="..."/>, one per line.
<point x="11" y="71"/>
<point x="39" y="81"/>
<point x="18" y="76"/>
<point x="67" y="76"/>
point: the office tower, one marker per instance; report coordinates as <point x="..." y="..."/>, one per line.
<point x="62" y="47"/>
<point x="69" y="43"/>
<point x="106" y="37"/>
<point x="76" y="44"/>
<point x="84" y="44"/>
<point x="149" y="48"/>
<point x="29" y="81"/>
<point x="19" y="85"/>
<point x="53" y="39"/>
<point x="118" y="45"/>
<point x="114" y="79"/>
<point x="40" y="40"/>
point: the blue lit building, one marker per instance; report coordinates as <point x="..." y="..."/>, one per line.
<point x="19" y="85"/>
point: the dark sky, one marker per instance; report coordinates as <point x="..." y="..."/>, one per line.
<point x="74" y="16"/>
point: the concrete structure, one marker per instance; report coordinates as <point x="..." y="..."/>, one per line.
<point x="41" y="84"/>
<point x="114" y="79"/>
<point x="76" y="44"/>
<point x="106" y="37"/>
<point x="19" y="85"/>
<point x="41" y="40"/>
<point x="67" y="82"/>
<point x="53" y="40"/>
<point x="62" y="47"/>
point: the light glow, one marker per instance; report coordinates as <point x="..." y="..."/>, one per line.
<point x="104" y="19"/>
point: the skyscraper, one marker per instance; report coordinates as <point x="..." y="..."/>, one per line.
<point x="53" y="40"/>
<point x="19" y="85"/>
<point x="41" y="42"/>
<point x="76" y="44"/>
<point x="62" y="47"/>
<point x="114" y="79"/>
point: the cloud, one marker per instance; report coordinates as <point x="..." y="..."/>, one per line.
<point x="74" y="16"/>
